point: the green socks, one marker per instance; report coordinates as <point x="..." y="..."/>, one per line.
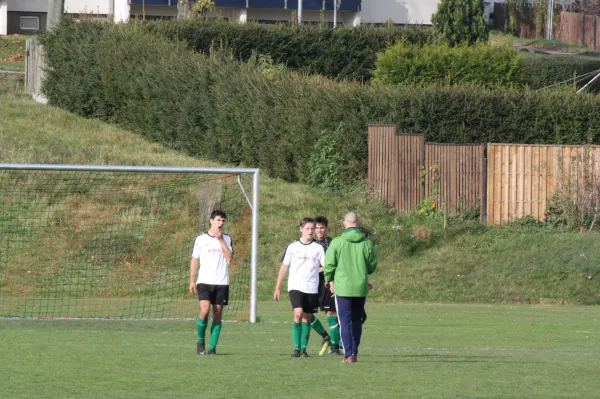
<point x="215" y="330"/>
<point x="334" y="329"/>
<point x="316" y="324"/>
<point x="202" y="330"/>
<point x="296" y="334"/>
<point x="305" y="336"/>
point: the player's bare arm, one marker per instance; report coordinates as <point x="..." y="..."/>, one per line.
<point x="282" y="272"/>
<point x="194" y="264"/>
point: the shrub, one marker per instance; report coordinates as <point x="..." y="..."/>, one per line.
<point x="344" y="52"/>
<point x="460" y="22"/>
<point x="441" y="64"/>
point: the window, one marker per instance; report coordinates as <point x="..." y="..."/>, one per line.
<point x="29" y="23"/>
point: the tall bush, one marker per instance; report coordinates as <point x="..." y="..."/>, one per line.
<point x="441" y="64"/>
<point x="460" y="22"/>
<point x="344" y="52"/>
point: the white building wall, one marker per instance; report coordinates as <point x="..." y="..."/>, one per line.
<point x="102" y="7"/>
<point x="398" y="11"/>
<point x="3" y="17"/>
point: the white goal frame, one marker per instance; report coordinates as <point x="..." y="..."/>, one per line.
<point x="253" y="202"/>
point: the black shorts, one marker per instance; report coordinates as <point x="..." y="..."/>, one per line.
<point x="308" y="302"/>
<point x="216" y="294"/>
<point x="326" y="300"/>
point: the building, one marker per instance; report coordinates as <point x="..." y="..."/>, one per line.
<point x="23" y="17"/>
<point x="29" y="16"/>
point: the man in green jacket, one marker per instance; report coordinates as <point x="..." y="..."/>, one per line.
<point x="350" y="258"/>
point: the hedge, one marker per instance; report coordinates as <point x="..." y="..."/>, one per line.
<point x="344" y="52"/>
<point x="440" y="64"/>
<point x="263" y="116"/>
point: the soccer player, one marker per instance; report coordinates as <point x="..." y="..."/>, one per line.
<point x="212" y="252"/>
<point x="326" y="299"/>
<point x="303" y="257"/>
<point x="349" y="260"/>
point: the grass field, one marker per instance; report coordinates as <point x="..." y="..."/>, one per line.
<point x="408" y="351"/>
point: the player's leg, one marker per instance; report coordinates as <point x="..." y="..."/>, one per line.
<point x="220" y="299"/>
<point x="358" y="308"/>
<point x="215" y="329"/>
<point x="344" y="308"/>
<point x="204" y="304"/>
<point x="306" y="318"/>
<point x="310" y="306"/>
<point x="334" y="332"/>
<point x="296" y="300"/>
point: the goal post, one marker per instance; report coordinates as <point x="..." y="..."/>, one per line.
<point x="94" y="241"/>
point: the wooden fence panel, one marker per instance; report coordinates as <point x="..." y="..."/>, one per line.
<point x="34" y="67"/>
<point x="522" y="178"/>
<point x="394" y="162"/>
<point x="461" y="172"/>
<point x="411" y="156"/>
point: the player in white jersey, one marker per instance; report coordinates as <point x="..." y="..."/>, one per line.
<point x="212" y="253"/>
<point x="303" y="257"/>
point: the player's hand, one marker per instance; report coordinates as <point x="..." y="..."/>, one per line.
<point x="330" y="285"/>
<point x="276" y="294"/>
<point x="192" y="288"/>
<point x="219" y="234"/>
<point x="370" y="286"/>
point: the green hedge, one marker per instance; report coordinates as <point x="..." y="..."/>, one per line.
<point x="259" y="115"/>
<point x="540" y="70"/>
<point x="344" y="52"/>
<point x="434" y="64"/>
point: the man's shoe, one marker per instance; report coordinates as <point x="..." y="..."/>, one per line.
<point x="354" y="358"/>
<point x="325" y="345"/>
<point x="304" y="354"/>
<point x="200" y="348"/>
<point x="347" y="359"/>
<point x="296" y="353"/>
<point x="334" y="350"/>
<point x="212" y="352"/>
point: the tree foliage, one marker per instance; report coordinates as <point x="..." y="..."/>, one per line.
<point x="460" y="22"/>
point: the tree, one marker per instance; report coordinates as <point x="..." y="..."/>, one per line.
<point x="55" y="12"/>
<point x="460" y="22"/>
<point x="187" y="9"/>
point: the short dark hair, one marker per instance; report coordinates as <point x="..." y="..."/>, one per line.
<point x="303" y="221"/>
<point x="322" y="220"/>
<point x="218" y="212"/>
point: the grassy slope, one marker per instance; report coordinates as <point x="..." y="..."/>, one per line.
<point x="12" y="53"/>
<point x="466" y="262"/>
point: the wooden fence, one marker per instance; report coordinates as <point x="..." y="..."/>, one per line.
<point x="34" y="67"/>
<point x="395" y="162"/>
<point x="572" y="28"/>
<point x="514" y="181"/>
<point x="522" y="178"/>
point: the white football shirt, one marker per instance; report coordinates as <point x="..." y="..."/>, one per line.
<point x="214" y="269"/>
<point x="304" y="261"/>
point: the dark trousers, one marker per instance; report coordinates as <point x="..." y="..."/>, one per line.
<point x="350" y="311"/>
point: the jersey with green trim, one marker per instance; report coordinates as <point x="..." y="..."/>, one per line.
<point x="304" y="261"/>
<point x="214" y="269"/>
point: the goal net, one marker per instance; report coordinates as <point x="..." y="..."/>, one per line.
<point x="116" y="242"/>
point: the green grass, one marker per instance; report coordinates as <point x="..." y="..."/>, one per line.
<point x="12" y="53"/>
<point x="408" y="351"/>
<point x="504" y="39"/>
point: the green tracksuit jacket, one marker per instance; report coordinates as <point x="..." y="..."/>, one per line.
<point x="350" y="258"/>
